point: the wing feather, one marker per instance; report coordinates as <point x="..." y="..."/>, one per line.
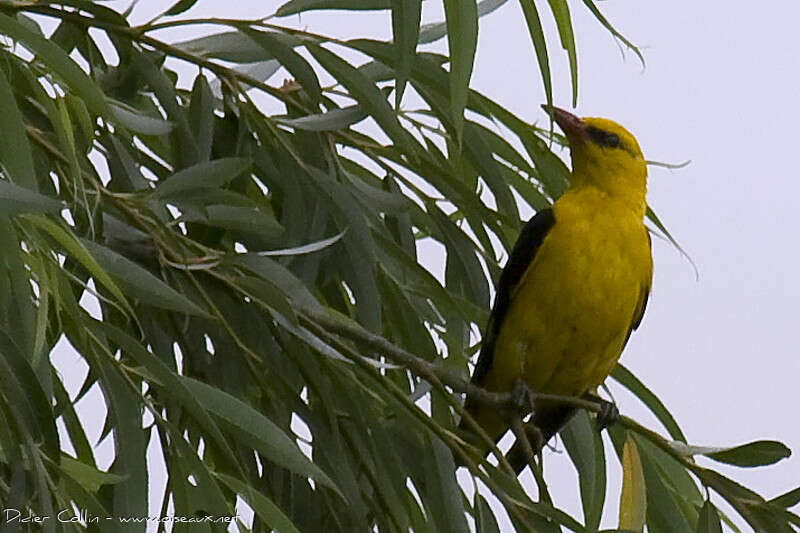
<point x="522" y="255"/>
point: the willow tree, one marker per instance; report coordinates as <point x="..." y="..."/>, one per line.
<point x="261" y="309"/>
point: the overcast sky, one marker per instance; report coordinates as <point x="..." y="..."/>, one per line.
<point x="719" y="89"/>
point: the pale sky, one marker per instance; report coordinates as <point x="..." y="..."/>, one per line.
<point x="719" y="89"/>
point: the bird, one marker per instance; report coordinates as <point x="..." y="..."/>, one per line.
<point x="575" y="285"/>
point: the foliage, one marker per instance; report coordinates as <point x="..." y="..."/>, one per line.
<point x="257" y="277"/>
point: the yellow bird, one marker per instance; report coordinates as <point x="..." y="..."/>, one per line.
<point x="576" y="283"/>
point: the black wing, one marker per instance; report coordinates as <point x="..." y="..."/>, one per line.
<point x="643" y="297"/>
<point x="528" y="243"/>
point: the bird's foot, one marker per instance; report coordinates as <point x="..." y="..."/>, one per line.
<point x="608" y="413"/>
<point x="521" y="398"/>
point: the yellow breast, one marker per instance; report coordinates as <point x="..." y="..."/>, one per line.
<point x="572" y="311"/>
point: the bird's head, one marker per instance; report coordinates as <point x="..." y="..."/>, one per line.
<point x="604" y="154"/>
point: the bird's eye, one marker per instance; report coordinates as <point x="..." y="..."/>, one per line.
<point x="603" y="138"/>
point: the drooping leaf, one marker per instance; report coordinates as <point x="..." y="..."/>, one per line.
<point x="55" y="58"/>
<point x="16" y="158"/>
<point x="758" y="453"/>
<point x="211" y="174"/>
<point x="140" y="283"/>
<point x="335" y="119"/>
<point x="633" y="498"/>
<point x="708" y="521"/>
<point x="462" y="38"/>
<point x="15" y="200"/>
<point x="292" y="7"/>
<point x="264" y="435"/>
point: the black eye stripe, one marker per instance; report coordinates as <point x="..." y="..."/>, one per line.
<point x="603" y="138"/>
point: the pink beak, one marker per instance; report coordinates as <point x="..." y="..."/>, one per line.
<point x="571" y="125"/>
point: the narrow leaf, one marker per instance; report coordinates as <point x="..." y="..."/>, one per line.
<point x="292" y="7"/>
<point x="286" y="56"/>
<point x="633" y="498"/>
<point x="76" y="250"/>
<point x="333" y="120"/>
<point x="367" y="94"/>
<point x="56" y="59"/>
<point x="263" y="434"/>
<point x="15" y="200"/>
<point x="789" y="499"/>
<point x="16" y="157"/>
<point x="233" y="46"/>
<point x="561" y="13"/>
<point x="179" y="7"/>
<point x="304" y="249"/>
<point x="210" y="175"/>
<point x="625" y="377"/>
<point x="758" y="453"/>
<point x="708" y="521"/>
<point x="462" y="39"/>
<point x="539" y="45"/>
<point x="602" y="19"/>
<point x="140" y="283"/>
<point x="265" y="508"/>
<point x="405" y="31"/>
<point x="88" y="476"/>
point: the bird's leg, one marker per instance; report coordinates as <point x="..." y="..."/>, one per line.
<point x="608" y="414"/>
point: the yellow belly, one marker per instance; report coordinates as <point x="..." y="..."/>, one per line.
<point x="571" y="313"/>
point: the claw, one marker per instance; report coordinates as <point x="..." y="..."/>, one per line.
<point x="522" y="397"/>
<point x="608" y="414"/>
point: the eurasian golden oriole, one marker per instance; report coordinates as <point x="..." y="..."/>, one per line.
<point x="576" y="283"/>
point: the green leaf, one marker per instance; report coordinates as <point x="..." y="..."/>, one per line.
<point x="171" y="384"/>
<point x="405" y="31"/>
<point x="15" y="200"/>
<point x="136" y="122"/>
<point x="267" y="438"/>
<point x="265" y="508"/>
<point x="539" y="45"/>
<point x="88" y="476"/>
<point x="140" y="283"/>
<point x="179" y="7"/>
<point x="563" y="19"/>
<point x="333" y="120"/>
<point x="16" y="158"/>
<point x="286" y="56"/>
<point x="664" y="512"/>
<point x="443" y="497"/>
<point x="758" y="453"/>
<point x="789" y="499"/>
<point x="272" y="271"/>
<point x="79" y="252"/>
<point x="57" y="60"/>
<point x="477" y="150"/>
<point x="625" y="377"/>
<point x="462" y="39"/>
<point x="368" y="96"/>
<point x="434" y="31"/>
<point x="633" y="498"/>
<point x="201" y="116"/>
<point x="585" y="448"/>
<point x="23" y="392"/>
<point x="304" y="249"/>
<point x="485" y="521"/>
<point x="602" y="19"/>
<point x="708" y="521"/>
<point x="207" y="175"/>
<point x="235" y="218"/>
<point x="129" y="496"/>
<point x="292" y="7"/>
<point x="233" y="46"/>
